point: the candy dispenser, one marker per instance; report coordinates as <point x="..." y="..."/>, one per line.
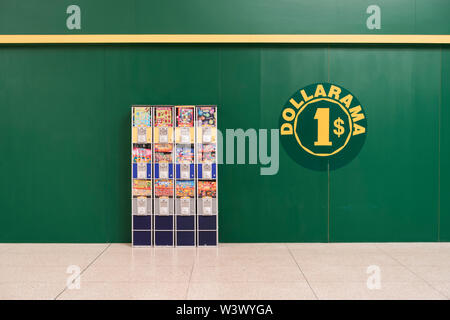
<point x="207" y="210"/>
<point x="141" y="164"/>
<point x="185" y="176"/>
<point x="185" y="212"/>
<point x="163" y="124"/>
<point x="163" y="181"/>
<point x="185" y="135"/>
<point x="184" y="130"/>
<point x="174" y="176"/>
<point x="163" y="160"/>
<point x="164" y="218"/>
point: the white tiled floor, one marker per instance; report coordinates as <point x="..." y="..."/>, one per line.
<point x="230" y="271"/>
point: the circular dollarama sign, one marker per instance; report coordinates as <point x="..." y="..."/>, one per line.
<point x="323" y="126"/>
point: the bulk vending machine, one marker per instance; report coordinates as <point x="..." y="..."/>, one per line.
<point x="185" y="176"/>
<point x="207" y="223"/>
<point x="141" y="118"/>
<point x="163" y="176"/>
<point x="174" y="176"/>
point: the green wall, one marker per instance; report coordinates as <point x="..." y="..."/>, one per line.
<point x="64" y="147"/>
<point x="444" y="149"/>
<point x="64" y="121"/>
<point x="65" y="139"/>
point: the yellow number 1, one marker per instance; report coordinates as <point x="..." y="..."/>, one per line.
<point x="323" y="127"/>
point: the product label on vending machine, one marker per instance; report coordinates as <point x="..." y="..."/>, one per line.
<point x="164" y="135"/>
<point x="164" y="170"/>
<point x="142" y="135"/>
<point x="207" y="171"/>
<point x="207" y="134"/>
<point x="207" y="205"/>
<point x="142" y="205"/>
<point x="185" y="134"/>
<point x="185" y="204"/>
<point x="141" y="170"/>
<point x="184" y="171"/>
<point x="164" y="206"/>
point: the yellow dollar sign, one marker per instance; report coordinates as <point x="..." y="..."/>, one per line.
<point x="339" y="128"/>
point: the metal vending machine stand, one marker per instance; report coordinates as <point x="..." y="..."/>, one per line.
<point x="207" y="209"/>
<point x="163" y="177"/>
<point x="141" y="172"/>
<point x="185" y="176"/>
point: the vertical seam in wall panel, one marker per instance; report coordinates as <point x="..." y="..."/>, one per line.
<point x="260" y="49"/>
<point x="219" y="105"/>
<point x="328" y="61"/>
<point x="415" y="13"/>
<point x="134" y="18"/>
<point x="107" y="161"/>
<point x="328" y="164"/>
<point x="328" y="194"/>
<point x="220" y="77"/>
<point x="260" y="88"/>
<point x="439" y="148"/>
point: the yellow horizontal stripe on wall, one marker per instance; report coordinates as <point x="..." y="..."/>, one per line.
<point x="224" y="38"/>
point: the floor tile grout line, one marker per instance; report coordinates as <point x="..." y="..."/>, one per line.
<point x="301" y="271"/>
<point x="190" y="276"/>
<point x="410" y="270"/>
<point x="95" y="259"/>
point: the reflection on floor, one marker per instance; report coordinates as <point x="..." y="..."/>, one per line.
<point x="230" y="271"/>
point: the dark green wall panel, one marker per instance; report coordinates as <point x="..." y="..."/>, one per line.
<point x="444" y="231"/>
<point x="302" y="193"/>
<point x="390" y="191"/>
<point x="52" y="159"/>
<point x="239" y="107"/>
<point x="255" y="83"/>
<point x="430" y="14"/>
<point x="148" y="75"/>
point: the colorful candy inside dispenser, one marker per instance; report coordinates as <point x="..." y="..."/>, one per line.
<point x="142" y="155"/>
<point x="207" y="153"/>
<point x="142" y="187"/>
<point x="163" y="117"/>
<point x="185" y="153"/>
<point x="163" y="188"/>
<point x="142" y="117"/>
<point x="163" y="152"/>
<point x="206" y="116"/>
<point x="207" y="189"/>
<point x="185" y="117"/>
<point x="185" y="188"/>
